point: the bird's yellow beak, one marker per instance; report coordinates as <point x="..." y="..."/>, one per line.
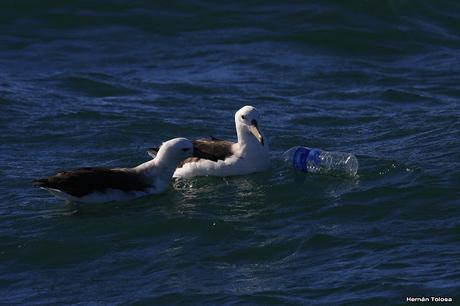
<point x="255" y="131"/>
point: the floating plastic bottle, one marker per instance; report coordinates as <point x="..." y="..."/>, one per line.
<point x="313" y="160"/>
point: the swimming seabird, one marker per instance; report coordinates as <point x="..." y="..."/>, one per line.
<point x="225" y="158"/>
<point x="117" y="184"/>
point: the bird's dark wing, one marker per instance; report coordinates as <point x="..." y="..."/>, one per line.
<point x="82" y="181"/>
<point x="215" y="138"/>
<point x="214" y="149"/>
<point x="210" y="149"/>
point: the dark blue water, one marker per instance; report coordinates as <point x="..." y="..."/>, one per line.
<point x="86" y="83"/>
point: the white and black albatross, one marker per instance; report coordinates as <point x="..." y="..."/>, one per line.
<point x="93" y="185"/>
<point x="217" y="157"/>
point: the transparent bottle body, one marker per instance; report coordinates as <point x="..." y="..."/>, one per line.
<point x="313" y="160"/>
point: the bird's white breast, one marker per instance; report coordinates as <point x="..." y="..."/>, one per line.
<point x="233" y="165"/>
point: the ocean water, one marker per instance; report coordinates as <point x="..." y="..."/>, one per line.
<point x="95" y="83"/>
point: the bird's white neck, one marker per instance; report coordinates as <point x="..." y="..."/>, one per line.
<point x="247" y="140"/>
<point x="159" y="169"/>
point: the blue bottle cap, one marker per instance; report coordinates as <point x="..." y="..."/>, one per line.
<point x="299" y="161"/>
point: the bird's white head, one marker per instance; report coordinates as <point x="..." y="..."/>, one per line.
<point x="247" y="125"/>
<point x="175" y="150"/>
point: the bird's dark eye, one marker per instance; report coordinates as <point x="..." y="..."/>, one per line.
<point x="186" y="149"/>
<point x="243" y="117"/>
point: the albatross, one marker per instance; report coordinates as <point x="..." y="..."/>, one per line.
<point x="216" y="157"/>
<point x="91" y="185"/>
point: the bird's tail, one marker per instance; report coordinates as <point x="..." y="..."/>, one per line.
<point x="40" y="182"/>
<point x="153" y="151"/>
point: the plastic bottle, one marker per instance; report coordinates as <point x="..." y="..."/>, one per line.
<point x="313" y="160"/>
